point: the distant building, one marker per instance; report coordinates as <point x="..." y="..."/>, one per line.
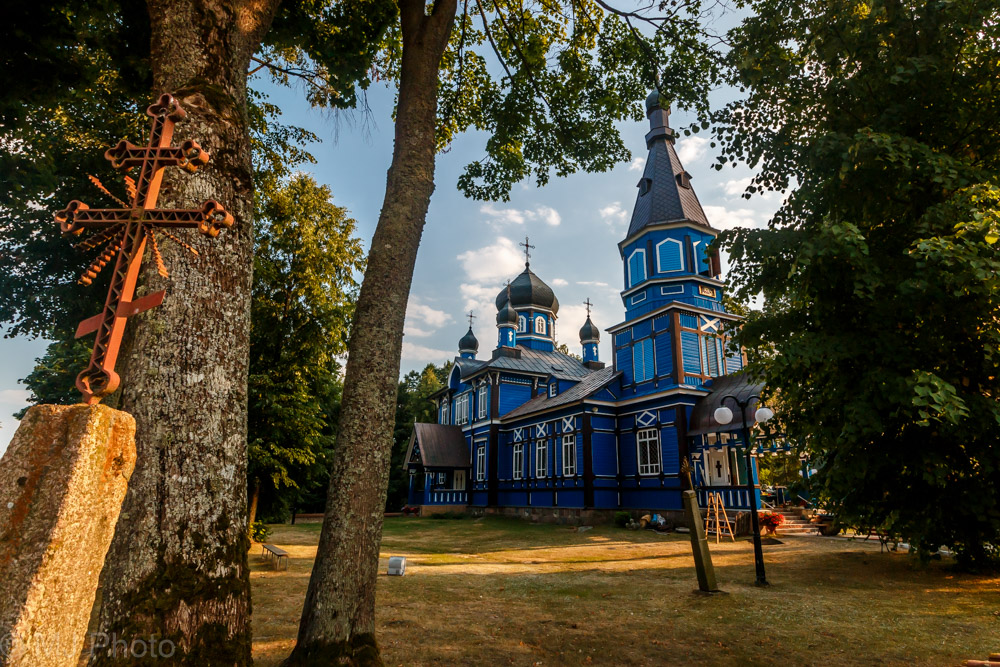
<point x="529" y="428"/>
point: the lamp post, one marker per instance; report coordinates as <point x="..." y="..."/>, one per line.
<point x="724" y="415"/>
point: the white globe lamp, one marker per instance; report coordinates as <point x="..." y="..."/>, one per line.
<point x="763" y="414"/>
<point x="723" y="415"/>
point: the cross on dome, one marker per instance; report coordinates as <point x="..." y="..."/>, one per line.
<point x="588" y="304"/>
<point x="527" y="250"/>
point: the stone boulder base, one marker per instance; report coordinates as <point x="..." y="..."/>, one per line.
<point x="62" y="481"/>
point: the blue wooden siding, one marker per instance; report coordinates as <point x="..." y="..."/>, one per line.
<point x="692" y="355"/>
<point x="605" y="458"/>
<point x="512" y="396"/>
<point x="623" y="361"/>
<point x="642" y="329"/>
<point x="664" y="355"/>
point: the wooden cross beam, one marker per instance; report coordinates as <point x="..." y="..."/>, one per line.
<point x="127" y="232"/>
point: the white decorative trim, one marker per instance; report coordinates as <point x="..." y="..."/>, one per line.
<point x="672" y="290"/>
<point x="567" y="424"/>
<point x="628" y="264"/>
<point x="647" y="418"/>
<point x="541" y="430"/>
<point x="638" y="298"/>
<point x="519" y="433"/>
<point x="680" y="254"/>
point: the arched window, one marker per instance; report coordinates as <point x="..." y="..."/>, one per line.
<point x="522" y="324"/>
<point x="636" y="267"/>
<point x="669" y="256"/>
<point x="540" y="325"/>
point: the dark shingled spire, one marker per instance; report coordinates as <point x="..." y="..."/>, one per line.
<point x="588" y="332"/>
<point x="665" y="193"/>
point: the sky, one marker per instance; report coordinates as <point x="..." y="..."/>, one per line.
<point x="470" y="248"/>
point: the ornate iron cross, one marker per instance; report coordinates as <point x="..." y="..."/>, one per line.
<point x="527" y="250"/>
<point x="126" y="232"/>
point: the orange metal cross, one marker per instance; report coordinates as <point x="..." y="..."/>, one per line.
<point x="127" y="230"/>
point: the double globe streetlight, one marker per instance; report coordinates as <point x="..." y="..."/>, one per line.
<point x="724" y="415"/>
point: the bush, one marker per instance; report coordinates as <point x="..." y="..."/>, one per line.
<point x="259" y="531"/>
<point x="622" y="519"/>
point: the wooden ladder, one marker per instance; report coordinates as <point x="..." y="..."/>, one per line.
<point x="716" y="518"/>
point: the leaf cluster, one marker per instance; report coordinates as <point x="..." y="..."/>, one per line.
<point x="881" y="324"/>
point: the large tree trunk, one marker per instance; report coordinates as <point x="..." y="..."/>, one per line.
<point x="338" y="620"/>
<point x="254" y="499"/>
<point x="177" y="568"/>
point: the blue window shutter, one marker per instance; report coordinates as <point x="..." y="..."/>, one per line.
<point x="637" y="362"/>
<point x="648" y="358"/>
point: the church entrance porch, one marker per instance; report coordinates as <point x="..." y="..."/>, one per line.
<point x="438" y="463"/>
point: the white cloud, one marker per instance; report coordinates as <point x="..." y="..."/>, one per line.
<point x="613" y="214"/>
<point x="592" y="283"/>
<point x="692" y="149"/>
<point x="496" y="262"/>
<point x="736" y="187"/>
<point x="559" y="282"/>
<point x="422" y="320"/>
<point x="514" y="216"/>
<point x="721" y="217"/>
<point x="637" y="164"/>
<point x="481" y="300"/>
<point x="420" y="353"/>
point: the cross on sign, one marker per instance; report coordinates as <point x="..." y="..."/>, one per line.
<point x="127" y="231"/>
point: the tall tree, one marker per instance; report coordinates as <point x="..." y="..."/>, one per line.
<point x="571" y="69"/>
<point x="304" y="287"/>
<point x="177" y="567"/>
<point x="879" y="328"/>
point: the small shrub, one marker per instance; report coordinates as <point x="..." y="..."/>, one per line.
<point x="622" y="519"/>
<point x="259" y="531"/>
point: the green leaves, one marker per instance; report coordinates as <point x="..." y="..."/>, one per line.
<point x="879" y="328"/>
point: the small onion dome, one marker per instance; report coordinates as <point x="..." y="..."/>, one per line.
<point x="507" y="315"/>
<point x="528" y="290"/>
<point x="468" y="343"/>
<point x="589" y="333"/>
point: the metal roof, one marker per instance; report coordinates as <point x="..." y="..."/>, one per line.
<point x="591" y="384"/>
<point x="529" y="290"/>
<point x="663" y="199"/>
<point x="537" y="362"/>
<point x="438" y="446"/>
<point x="703" y="415"/>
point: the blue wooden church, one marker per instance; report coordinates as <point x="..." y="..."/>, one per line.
<point x="525" y="429"/>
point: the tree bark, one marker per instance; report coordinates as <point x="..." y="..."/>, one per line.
<point x="338" y="619"/>
<point x="253" y="502"/>
<point x="177" y="567"/>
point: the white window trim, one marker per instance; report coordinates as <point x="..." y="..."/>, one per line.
<point x="522" y="324"/>
<point x="643" y="438"/>
<point x="540" y="325"/>
<point x="444" y="411"/>
<point x="552" y="389"/>
<point x="680" y="254"/>
<point x="541" y="459"/>
<point x="638" y="298"/>
<point x="462" y="408"/>
<point x="442" y="477"/>
<point x="569" y="455"/>
<point x="481" y="462"/>
<point x="518" y="461"/>
<point x="636" y="367"/>
<point x="675" y="289"/>
<point x="483" y="401"/>
<point x="632" y="282"/>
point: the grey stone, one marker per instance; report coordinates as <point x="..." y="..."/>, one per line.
<point x="62" y="481"/>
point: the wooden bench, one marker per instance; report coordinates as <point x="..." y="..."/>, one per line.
<point x="276" y="553"/>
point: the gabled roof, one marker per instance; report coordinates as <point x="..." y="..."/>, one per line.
<point x="437" y="446"/>
<point x="536" y="362"/>
<point x="663" y="199"/>
<point x="737" y="384"/>
<point x="590" y="385"/>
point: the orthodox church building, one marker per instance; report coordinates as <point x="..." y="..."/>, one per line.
<point x="524" y="428"/>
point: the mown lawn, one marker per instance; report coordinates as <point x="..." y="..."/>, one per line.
<point x="501" y="591"/>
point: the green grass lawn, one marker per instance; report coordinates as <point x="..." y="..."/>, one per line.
<point x="503" y="591"/>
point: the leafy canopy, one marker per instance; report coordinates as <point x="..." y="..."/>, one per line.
<point x="881" y="324"/>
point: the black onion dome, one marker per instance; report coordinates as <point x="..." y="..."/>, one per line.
<point x="589" y="332"/>
<point x="507" y="315"/>
<point x="468" y="342"/>
<point x="528" y="290"/>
